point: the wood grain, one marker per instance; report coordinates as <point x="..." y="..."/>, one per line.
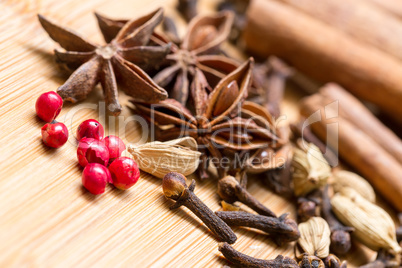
<point x="46" y="218"/>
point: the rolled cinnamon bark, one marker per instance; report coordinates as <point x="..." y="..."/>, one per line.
<point x="324" y="53"/>
<point x="359" y="150"/>
<point x="358" y="18"/>
<point x="354" y="111"/>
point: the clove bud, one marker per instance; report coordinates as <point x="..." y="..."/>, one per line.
<point x="175" y="187"/>
<point x="306" y="209"/>
<point x="242" y="260"/>
<point x="333" y="261"/>
<point x="282" y="229"/>
<point x="311" y="261"/>
<point x="231" y="191"/>
<point x="340" y="234"/>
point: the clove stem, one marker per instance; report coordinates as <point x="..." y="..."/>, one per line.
<point x="188" y="8"/>
<point x="231" y="191"/>
<point x="340" y="234"/>
<point x="285" y="227"/>
<point x="170" y="29"/>
<point x="175" y="187"/>
<point x="274" y="85"/>
<point x="243" y="260"/>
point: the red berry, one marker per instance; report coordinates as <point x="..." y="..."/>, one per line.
<point x="92" y="151"/>
<point x="90" y="129"/>
<point x="115" y="145"/>
<point x="95" y="178"/>
<point x="54" y="134"/>
<point x="125" y="172"/>
<point x="48" y="106"/>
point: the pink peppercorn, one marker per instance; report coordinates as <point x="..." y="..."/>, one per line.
<point x="54" y="134"/>
<point x="90" y="129"/>
<point x="115" y="145"/>
<point x="92" y="151"/>
<point x="95" y="178"/>
<point x="48" y="106"/>
<point x="125" y="172"/>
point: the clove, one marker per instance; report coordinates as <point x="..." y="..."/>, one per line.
<point x="306" y="209"/>
<point x="308" y="261"/>
<point x="231" y="191"/>
<point x="188" y="8"/>
<point x="274" y="84"/>
<point x="242" y="260"/>
<point x="175" y="187"/>
<point x="305" y="133"/>
<point x="333" y="261"/>
<point x="399" y="229"/>
<point x="279" y="180"/>
<point x="169" y="27"/>
<point x="340" y="234"/>
<point x="282" y="229"/>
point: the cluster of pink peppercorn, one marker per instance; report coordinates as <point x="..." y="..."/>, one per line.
<point x="100" y="157"/>
<point x="95" y="153"/>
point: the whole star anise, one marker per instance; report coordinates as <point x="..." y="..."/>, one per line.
<point x="121" y="58"/>
<point x="221" y="119"/>
<point x="195" y="58"/>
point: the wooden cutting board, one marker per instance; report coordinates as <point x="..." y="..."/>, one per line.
<point x="47" y="219"/>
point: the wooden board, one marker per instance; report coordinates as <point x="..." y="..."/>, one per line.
<point x="47" y="219"/>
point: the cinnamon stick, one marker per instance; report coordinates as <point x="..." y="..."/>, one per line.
<point x="359" y="19"/>
<point x="359" y="150"/>
<point x="324" y="53"/>
<point x="354" y="111"/>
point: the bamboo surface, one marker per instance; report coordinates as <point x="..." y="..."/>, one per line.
<point x="47" y="219"/>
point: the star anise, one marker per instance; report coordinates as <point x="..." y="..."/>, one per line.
<point x="195" y="58"/>
<point x="221" y="119"/>
<point x="121" y="58"/>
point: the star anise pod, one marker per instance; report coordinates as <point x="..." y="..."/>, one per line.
<point x="121" y="58"/>
<point x="221" y="119"/>
<point x="195" y="58"/>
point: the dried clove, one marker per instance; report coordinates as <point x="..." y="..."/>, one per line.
<point x="309" y="261"/>
<point x="243" y="260"/>
<point x="238" y="7"/>
<point x="340" y="234"/>
<point x="188" y="8"/>
<point x="399" y="229"/>
<point x="274" y="84"/>
<point x="169" y="27"/>
<point x="305" y="133"/>
<point x="279" y="180"/>
<point x="231" y="191"/>
<point x="283" y="226"/>
<point x="175" y="187"/>
<point x="306" y="209"/>
<point x="333" y="261"/>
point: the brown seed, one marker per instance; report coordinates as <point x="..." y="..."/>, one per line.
<point x="175" y="187"/>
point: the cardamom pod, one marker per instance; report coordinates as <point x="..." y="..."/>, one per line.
<point x="159" y="158"/>
<point x="343" y="178"/>
<point x="373" y="226"/>
<point x="314" y="238"/>
<point x="310" y="169"/>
